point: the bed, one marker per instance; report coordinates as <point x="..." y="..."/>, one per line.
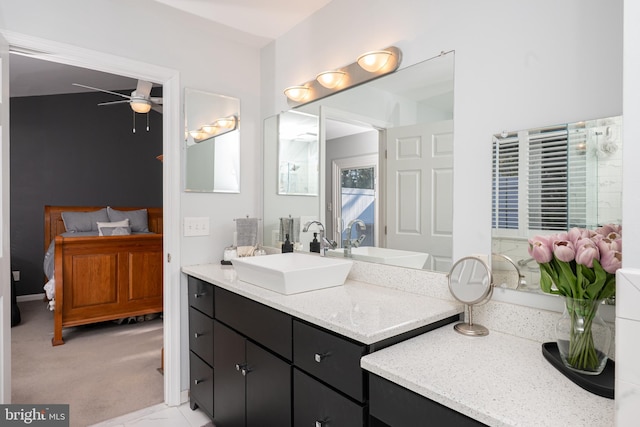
<point x="101" y="278"/>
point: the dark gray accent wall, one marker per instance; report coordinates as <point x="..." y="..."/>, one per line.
<point x="67" y="150"/>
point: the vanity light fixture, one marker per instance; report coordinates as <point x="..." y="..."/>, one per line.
<point x="218" y="127"/>
<point x="369" y="66"/>
<point x="374" y="61"/>
<point x="297" y="93"/>
<point x="330" y="79"/>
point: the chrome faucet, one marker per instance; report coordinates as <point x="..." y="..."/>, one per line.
<point x="521" y="278"/>
<point x="325" y="243"/>
<point x="353" y="243"/>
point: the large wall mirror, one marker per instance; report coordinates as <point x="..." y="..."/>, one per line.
<point x="384" y="157"/>
<point x="212" y="142"/>
<point x="548" y="180"/>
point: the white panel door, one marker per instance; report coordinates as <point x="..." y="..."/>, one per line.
<point x="419" y="183"/>
<point x="5" y="256"/>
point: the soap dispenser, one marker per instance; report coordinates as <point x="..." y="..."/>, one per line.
<point x="314" y="246"/>
<point x="287" y="246"/>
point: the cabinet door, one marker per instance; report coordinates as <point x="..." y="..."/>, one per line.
<point x="317" y="405"/>
<point x="228" y="381"/>
<point x="268" y="389"/>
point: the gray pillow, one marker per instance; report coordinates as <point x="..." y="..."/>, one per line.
<point x="84" y="221"/>
<point x="138" y="220"/>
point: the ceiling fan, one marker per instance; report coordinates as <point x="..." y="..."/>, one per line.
<point x="140" y="99"/>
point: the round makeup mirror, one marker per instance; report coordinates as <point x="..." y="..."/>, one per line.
<point x="471" y="283"/>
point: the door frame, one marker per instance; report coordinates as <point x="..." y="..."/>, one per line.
<point x="355" y="162"/>
<point x="171" y="131"/>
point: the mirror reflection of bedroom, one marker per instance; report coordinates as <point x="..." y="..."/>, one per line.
<point x="86" y="239"/>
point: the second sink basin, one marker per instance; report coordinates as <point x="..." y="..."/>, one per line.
<point x="384" y="256"/>
<point x="292" y="273"/>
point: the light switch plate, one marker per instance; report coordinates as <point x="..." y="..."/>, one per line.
<point x="196" y="226"/>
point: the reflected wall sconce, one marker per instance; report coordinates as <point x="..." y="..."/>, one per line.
<point x="368" y="66"/>
<point x="217" y="128"/>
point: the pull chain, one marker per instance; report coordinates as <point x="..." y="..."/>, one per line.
<point x="147" y="122"/>
<point x="134" y="121"/>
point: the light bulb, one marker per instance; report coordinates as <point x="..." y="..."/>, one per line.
<point x="374" y="61"/>
<point x="296" y="93"/>
<point x="330" y="79"/>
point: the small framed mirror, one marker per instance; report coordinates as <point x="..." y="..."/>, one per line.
<point x="212" y="139"/>
<point x="471" y="283"/>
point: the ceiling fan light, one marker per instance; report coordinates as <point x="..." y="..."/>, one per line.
<point x="330" y="79"/>
<point x="297" y="93"/>
<point x="374" y="61"/>
<point x="140" y="105"/>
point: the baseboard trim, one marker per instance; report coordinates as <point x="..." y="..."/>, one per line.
<point x="31" y="297"/>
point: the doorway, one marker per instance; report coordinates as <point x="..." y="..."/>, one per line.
<point x="171" y="184"/>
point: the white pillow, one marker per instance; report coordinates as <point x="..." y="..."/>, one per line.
<point x="118" y="228"/>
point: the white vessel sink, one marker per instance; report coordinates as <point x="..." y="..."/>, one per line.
<point x="384" y="256"/>
<point x="292" y="273"/>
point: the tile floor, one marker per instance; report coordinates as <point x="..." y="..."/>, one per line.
<point x="160" y="416"/>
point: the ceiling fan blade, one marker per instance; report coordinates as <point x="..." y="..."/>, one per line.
<point x="101" y="90"/>
<point x="156" y="100"/>
<point x="144" y="88"/>
<point x="124" y="101"/>
<point x="157" y="108"/>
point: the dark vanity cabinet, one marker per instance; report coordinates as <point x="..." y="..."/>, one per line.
<point x="201" y="309"/>
<point x="252" y="365"/>
<point x="252" y="385"/>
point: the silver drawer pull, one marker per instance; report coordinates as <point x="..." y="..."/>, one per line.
<point x="198" y="381"/>
<point x="245" y="371"/>
<point x="199" y="295"/>
<point x="322" y="423"/>
<point x="240" y="366"/>
<point x="319" y="357"/>
<point x="197" y="335"/>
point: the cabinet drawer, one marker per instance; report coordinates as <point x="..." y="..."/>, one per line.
<point x="398" y="407"/>
<point x="262" y="324"/>
<point x="315" y="404"/>
<point x="201" y="384"/>
<point x="201" y="295"/>
<point x="201" y="335"/>
<point x="330" y="358"/>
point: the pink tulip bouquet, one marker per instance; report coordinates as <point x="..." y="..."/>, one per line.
<point x="580" y="265"/>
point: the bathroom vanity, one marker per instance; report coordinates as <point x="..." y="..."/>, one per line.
<point x="260" y="358"/>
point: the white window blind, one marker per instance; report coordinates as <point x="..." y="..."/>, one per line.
<point x="505" y="183"/>
<point x="531" y="186"/>
<point x="547" y="179"/>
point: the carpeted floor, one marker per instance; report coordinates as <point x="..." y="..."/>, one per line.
<point x="102" y="371"/>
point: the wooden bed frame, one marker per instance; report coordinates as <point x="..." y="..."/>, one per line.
<point x="103" y="278"/>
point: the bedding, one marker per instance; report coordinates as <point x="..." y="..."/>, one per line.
<point x="138" y="219"/>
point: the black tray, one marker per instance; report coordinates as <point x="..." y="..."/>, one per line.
<point x="601" y="384"/>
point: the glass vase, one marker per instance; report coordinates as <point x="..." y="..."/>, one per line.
<point x="583" y="337"/>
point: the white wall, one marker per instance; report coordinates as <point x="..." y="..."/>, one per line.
<point x="207" y="56"/>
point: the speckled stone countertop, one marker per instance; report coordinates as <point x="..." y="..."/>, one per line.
<point x="360" y="311"/>
<point x="499" y="380"/>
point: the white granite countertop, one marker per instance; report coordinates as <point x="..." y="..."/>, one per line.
<point x="360" y="311"/>
<point x="499" y="380"/>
